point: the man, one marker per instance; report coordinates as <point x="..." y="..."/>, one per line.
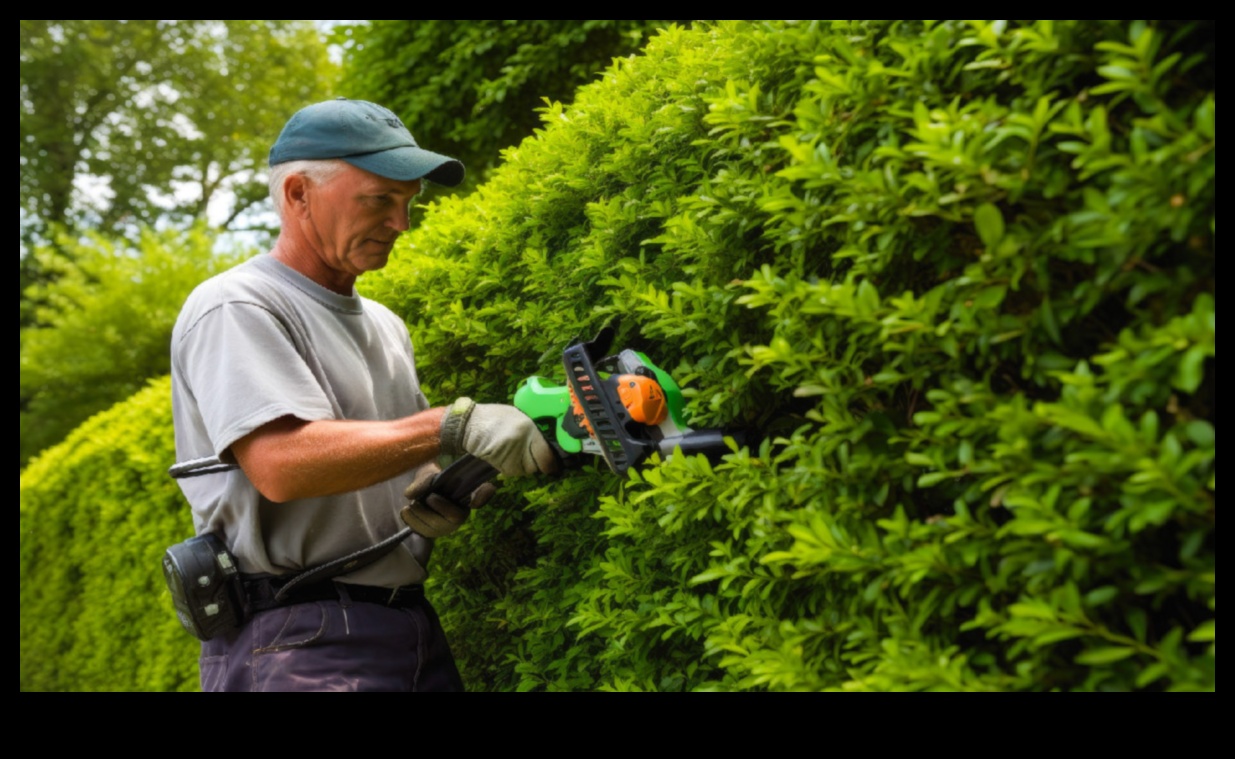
<point x="280" y="367"/>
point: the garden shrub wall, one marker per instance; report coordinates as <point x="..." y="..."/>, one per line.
<point x="960" y="276"/>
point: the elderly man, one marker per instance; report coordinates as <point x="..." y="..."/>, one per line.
<point x="280" y="367"/>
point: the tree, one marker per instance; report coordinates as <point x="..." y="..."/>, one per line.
<point x="132" y="123"/>
<point x="161" y="116"/>
<point x="108" y="313"/>
<point x="471" y="88"/>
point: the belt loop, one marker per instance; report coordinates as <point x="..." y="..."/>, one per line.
<point x="345" y="598"/>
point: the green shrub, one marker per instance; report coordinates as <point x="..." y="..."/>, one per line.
<point x="960" y="274"/>
<point x="104" y="323"/>
<point x="97" y="512"/>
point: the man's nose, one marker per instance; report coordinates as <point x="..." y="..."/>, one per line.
<point x="400" y="219"/>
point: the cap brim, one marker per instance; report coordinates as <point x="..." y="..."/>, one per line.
<point x="407" y="163"/>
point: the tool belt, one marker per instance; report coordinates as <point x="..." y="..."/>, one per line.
<point x="212" y="598"/>
<point x="265" y="592"/>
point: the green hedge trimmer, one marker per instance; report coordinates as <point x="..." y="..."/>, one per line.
<point x="621" y="407"/>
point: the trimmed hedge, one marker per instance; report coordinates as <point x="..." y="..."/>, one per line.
<point x="960" y="274"/>
<point x="97" y="512"/>
<point x="960" y="277"/>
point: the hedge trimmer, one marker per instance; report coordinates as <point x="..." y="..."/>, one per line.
<point x="620" y="407"/>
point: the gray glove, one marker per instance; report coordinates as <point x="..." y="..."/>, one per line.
<point x="502" y="436"/>
<point x="434" y="515"/>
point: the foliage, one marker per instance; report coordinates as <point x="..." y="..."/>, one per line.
<point x="128" y="124"/>
<point x="97" y="513"/>
<point x="107" y="316"/>
<point x="470" y="88"/>
<point x="164" y="114"/>
<point x="960" y="274"/>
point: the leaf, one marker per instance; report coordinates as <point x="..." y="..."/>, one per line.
<point x="1101" y="596"/>
<point x="932" y="478"/>
<point x="1057" y="635"/>
<point x="989" y="223"/>
<point x="1107" y="655"/>
<point x="1204" y="632"/>
<point x="1200" y="432"/>
<point x="1151" y="673"/>
<point x="1191" y="370"/>
<point x="1047" y="311"/>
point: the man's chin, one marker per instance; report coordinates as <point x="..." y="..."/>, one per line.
<point x="373" y="263"/>
<point x="376" y="252"/>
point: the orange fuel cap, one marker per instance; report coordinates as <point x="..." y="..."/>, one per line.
<point x="643" y="398"/>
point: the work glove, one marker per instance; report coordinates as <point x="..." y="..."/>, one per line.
<point x="502" y="436"/>
<point x="434" y="515"/>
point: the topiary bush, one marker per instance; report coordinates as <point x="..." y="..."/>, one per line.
<point x="959" y="275"/>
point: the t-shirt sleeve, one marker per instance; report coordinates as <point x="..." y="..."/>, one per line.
<point x="244" y="370"/>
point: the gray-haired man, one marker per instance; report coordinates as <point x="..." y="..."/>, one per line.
<point x="280" y="367"/>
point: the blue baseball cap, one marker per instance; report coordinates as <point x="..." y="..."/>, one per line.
<point x="367" y="136"/>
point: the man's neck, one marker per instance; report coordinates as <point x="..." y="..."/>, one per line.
<point x="299" y="255"/>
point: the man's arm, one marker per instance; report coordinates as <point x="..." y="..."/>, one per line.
<point x="290" y="458"/>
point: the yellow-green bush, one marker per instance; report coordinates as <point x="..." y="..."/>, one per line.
<point x="97" y="512"/>
<point x="103" y="321"/>
<point x="959" y="274"/>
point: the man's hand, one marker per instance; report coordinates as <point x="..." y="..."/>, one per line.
<point x="502" y="436"/>
<point x="434" y="515"/>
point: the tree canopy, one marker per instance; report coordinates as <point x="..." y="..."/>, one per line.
<point x="471" y="88"/>
<point x="131" y="122"/>
<point x="127" y="127"/>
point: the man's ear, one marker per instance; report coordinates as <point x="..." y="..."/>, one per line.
<point x="296" y="194"/>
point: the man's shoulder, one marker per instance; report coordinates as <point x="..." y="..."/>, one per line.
<point x="253" y="281"/>
<point x="248" y="282"/>
<point x="246" y="278"/>
<point x="378" y="309"/>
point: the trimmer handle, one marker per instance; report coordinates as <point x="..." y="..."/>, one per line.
<point x="457" y="481"/>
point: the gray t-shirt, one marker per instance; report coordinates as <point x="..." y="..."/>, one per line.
<point x="262" y="341"/>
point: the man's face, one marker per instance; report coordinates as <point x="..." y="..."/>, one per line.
<point x="355" y="218"/>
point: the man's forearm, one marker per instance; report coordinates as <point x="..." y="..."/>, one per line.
<point x="290" y="458"/>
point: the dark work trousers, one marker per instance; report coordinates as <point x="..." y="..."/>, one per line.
<point x="333" y="645"/>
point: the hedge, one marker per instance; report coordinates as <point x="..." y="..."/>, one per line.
<point x="959" y="275"/>
<point x="959" y="278"/>
<point x="97" y="512"/>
